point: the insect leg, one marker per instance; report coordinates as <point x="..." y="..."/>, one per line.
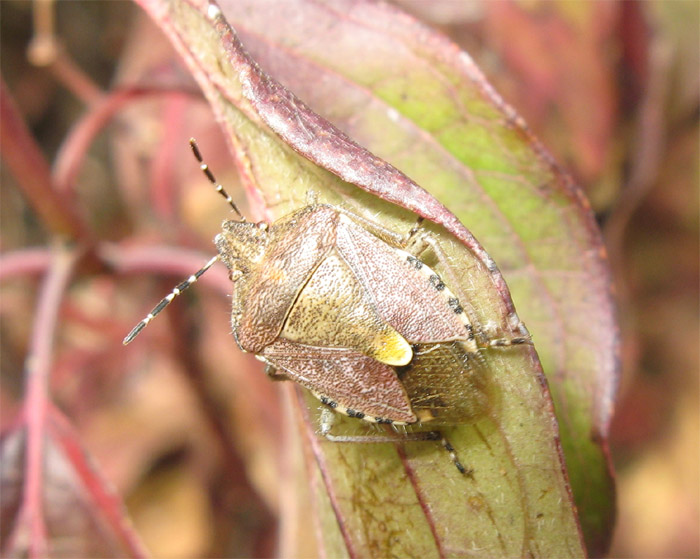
<point x="272" y="372"/>
<point x="328" y="417"/>
<point x="487" y="338"/>
<point x="327" y="421"/>
<point x="453" y="456"/>
<point x="508" y="342"/>
<point x="416" y="245"/>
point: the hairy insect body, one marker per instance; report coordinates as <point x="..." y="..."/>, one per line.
<point x="363" y="324"/>
<point x="346" y="309"/>
<point x="446" y="384"/>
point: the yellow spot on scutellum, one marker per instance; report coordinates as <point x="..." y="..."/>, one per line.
<point x="391" y="348"/>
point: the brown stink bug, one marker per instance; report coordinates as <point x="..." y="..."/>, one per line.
<point x="346" y="309"/>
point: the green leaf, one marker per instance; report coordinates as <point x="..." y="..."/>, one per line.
<point x="411" y="97"/>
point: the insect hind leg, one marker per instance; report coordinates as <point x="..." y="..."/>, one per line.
<point x="490" y="338"/>
<point x="417" y="243"/>
<point x="453" y="456"/>
<point x="328" y="419"/>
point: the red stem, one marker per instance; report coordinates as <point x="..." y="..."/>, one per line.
<point x="72" y="77"/>
<point x="82" y="135"/>
<point x="163" y="260"/>
<point x="104" y="498"/>
<point x="37" y="368"/>
<point x="46" y="49"/>
<point x="21" y="263"/>
<point x="161" y="179"/>
<point x="32" y="172"/>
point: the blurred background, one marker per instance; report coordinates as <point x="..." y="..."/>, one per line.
<point x="611" y="88"/>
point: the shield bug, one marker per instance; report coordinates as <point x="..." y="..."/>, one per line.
<point x="346" y="309"/>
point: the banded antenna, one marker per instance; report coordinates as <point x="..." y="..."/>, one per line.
<point x="207" y="172"/>
<point x="165" y="301"/>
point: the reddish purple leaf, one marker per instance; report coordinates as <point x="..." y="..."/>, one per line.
<point x="77" y="515"/>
